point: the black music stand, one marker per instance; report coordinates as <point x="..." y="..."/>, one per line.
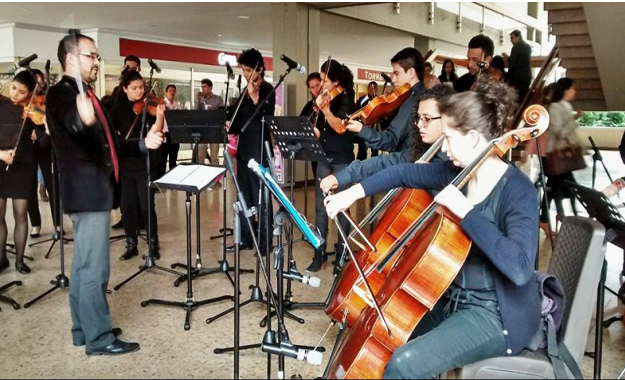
<point x="197" y="127"/>
<point x="601" y="209"/>
<point x="296" y="140"/>
<point x="192" y="179"/>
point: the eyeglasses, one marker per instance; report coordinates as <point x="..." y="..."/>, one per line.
<point x="91" y="55"/>
<point x="426" y="120"/>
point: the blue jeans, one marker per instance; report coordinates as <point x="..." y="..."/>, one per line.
<point x="445" y="341"/>
<point x="91" y="269"/>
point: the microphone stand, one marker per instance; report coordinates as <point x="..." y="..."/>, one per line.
<point x="149" y="259"/>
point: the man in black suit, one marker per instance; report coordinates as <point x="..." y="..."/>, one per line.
<point x="87" y="153"/>
<point x="519" y="64"/>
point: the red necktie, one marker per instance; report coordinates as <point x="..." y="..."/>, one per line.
<point x="98" y="109"/>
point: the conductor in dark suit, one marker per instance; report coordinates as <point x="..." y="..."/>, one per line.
<point x="87" y="154"/>
<point x="519" y="64"/>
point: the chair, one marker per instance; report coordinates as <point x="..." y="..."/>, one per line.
<point x="8" y="300"/>
<point x="577" y="262"/>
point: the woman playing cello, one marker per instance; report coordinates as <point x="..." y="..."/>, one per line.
<point x="492" y="308"/>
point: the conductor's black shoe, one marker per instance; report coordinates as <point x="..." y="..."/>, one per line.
<point x="118" y="347"/>
<point x="118" y="226"/>
<point x="116" y="332"/>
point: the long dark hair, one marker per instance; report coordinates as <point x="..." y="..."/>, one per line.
<point x="338" y="72"/>
<point x="452" y="76"/>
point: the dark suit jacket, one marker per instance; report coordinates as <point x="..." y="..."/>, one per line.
<point x="86" y="174"/>
<point x="519" y="63"/>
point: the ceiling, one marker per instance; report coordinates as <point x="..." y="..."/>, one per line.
<point x="220" y="25"/>
<point x="196" y="22"/>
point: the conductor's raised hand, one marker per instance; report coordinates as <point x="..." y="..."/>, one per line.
<point x="85" y="110"/>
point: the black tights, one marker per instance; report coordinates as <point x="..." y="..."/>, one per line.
<point x="20" y="234"/>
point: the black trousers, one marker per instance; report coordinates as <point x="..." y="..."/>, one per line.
<point x="169" y="152"/>
<point x="249" y="183"/>
<point x="135" y="191"/>
<point x="43" y="159"/>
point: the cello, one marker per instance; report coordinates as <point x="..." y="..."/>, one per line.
<point x="349" y="291"/>
<point x="422" y="274"/>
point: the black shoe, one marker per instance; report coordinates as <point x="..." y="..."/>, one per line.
<point x="34" y="234"/>
<point x="318" y="262"/>
<point x="4" y="264"/>
<point x="118" y="347"/>
<point x="22" y="267"/>
<point x="131" y="249"/>
<point x="242" y="247"/>
<point x="119" y="225"/>
<point x="116" y="332"/>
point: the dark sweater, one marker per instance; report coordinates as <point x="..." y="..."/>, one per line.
<point x="251" y="139"/>
<point x="510" y="244"/>
<point x="124" y="118"/>
<point x="338" y="148"/>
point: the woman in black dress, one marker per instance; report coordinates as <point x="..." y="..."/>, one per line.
<point x="133" y="170"/>
<point x="18" y="179"/>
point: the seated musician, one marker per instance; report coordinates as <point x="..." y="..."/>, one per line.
<point x="428" y="123"/>
<point x="407" y="68"/>
<point x="492" y="307"/>
<point x="339" y="148"/>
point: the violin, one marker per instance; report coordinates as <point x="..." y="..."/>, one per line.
<point x="330" y="96"/>
<point x="35" y="110"/>
<point x="382" y="106"/>
<point x="152" y="103"/>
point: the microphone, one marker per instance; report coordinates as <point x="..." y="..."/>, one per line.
<point x="47" y="67"/>
<point x="23" y="63"/>
<point x="294" y="275"/>
<point x="483" y="65"/>
<point x="154" y="66"/>
<point x="387" y="79"/>
<point x="239" y="83"/>
<point x="285" y="348"/>
<point x="293" y="65"/>
<point x="229" y="68"/>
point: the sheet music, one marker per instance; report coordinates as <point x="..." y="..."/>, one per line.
<point x="196" y="176"/>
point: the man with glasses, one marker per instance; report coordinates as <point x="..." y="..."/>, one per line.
<point x="428" y="129"/>
<point x="87" y="154"/>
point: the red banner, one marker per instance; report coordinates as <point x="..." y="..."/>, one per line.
<point x="370" y="75"/>
<point x="176" y="53"/>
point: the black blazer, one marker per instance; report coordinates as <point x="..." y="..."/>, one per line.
<point x="86" y="174"/>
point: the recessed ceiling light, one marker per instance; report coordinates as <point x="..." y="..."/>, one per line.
<point x="219" y="35"/>
<point x="244" y="17"/>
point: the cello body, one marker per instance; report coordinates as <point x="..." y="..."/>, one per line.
<point x="407" y="205"/>
<point x="417" y="280"/>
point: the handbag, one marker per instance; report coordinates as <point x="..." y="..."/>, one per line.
<point x="564" y="160"/>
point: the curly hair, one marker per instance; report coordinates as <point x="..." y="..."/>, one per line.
<point x="488" y="108"/>
<point x="435" y="93"/>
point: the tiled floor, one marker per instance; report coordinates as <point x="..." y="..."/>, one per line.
<point x="36" y="342"/>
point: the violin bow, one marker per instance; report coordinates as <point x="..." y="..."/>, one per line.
<point x="372" y="300"/>
<point x="19" y="135"/>
<point x="241" y="97"/>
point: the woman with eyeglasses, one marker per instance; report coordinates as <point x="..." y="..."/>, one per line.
<point x="133" y="170"/>
<point x="493" y="307"/>
<point x="18" y="172"/>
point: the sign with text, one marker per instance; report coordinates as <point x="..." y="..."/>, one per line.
<point x="371" y="75"/>
<point x="177" y="53"/>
